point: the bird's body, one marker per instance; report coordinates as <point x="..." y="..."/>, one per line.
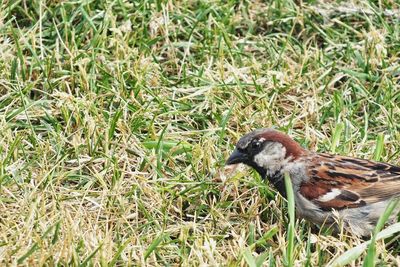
<point x="329" y="189"/>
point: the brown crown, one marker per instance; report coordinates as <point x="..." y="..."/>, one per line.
<point x="293" y="149"/>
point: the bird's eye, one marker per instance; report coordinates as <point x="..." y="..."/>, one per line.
<point x="255" y="144"/>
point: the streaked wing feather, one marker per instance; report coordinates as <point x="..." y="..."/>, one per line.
<point x="338" y="182"/>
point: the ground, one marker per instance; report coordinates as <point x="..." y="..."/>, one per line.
<point x="116" y="119"/>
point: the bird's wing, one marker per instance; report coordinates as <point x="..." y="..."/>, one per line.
<point x="338" y="182"/>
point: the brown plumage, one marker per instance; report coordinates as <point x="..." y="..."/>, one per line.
<point x="357" y="189"/>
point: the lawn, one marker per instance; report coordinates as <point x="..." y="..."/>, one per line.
<point x="117" y="117"/>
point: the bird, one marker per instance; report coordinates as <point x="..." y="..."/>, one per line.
<point x="328" y="189"/>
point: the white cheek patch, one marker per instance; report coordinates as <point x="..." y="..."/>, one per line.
<point x="330" y="195"/>
<point x="271" y="156"/>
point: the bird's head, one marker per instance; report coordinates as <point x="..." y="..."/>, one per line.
<point x="266" y="150"/>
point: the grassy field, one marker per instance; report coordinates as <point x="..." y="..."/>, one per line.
<point x="116" y="119"/>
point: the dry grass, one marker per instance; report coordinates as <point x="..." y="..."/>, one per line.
<point x="116" y="119"/>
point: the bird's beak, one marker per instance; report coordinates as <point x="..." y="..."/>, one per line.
<point x="236" y="157"/>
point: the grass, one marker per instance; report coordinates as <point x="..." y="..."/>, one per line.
<point x="116" y="118"/>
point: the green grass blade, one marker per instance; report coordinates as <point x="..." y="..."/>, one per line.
<point x="289" y="256"/>
<point x="153" y="246"/>
<point x="33" y="248"/>
<point x="379" y="147"/>
<point x="354" y="253"/>
<point x="249" y="258"/>
<point x="336" y="136"/>
<point x="88" y="258"/>
<point x="369" y="260"/>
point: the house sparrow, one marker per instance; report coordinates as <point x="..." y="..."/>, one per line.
<point x="326" y="187"/>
